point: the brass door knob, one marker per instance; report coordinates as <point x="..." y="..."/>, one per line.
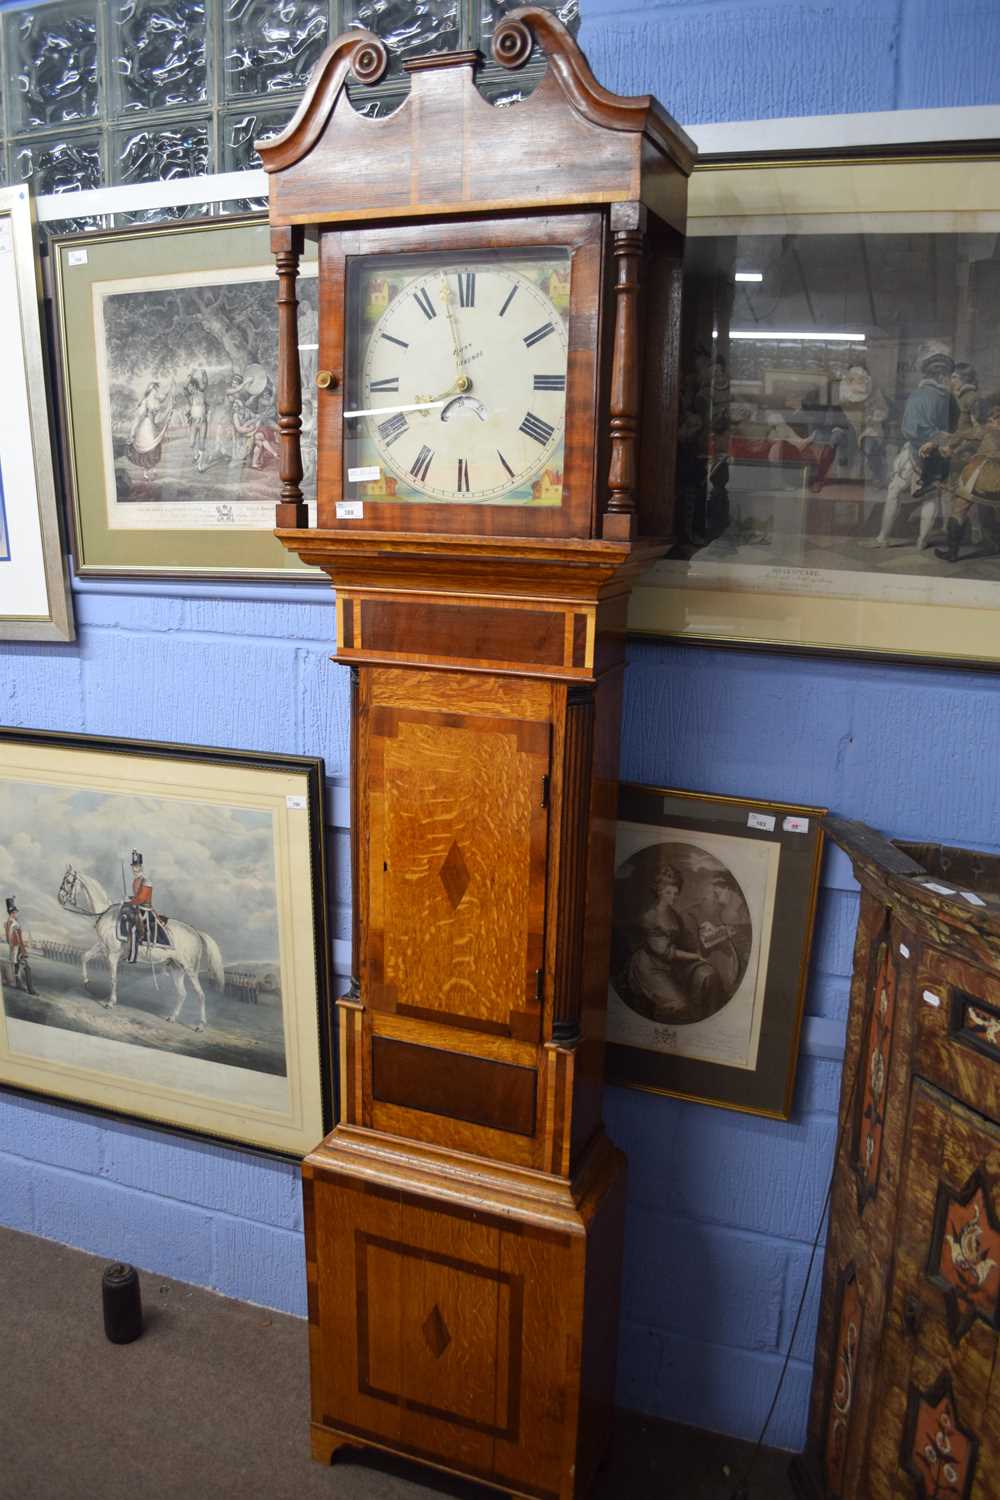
<point x="326" y="378"/>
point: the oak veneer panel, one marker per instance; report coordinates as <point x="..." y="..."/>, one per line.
<point x="474" y="1089"/>
<point x="457" y="867"/>
<point x="459" y="1332"/>
<point x="458" y="1135"/>
<point x="520" y="698"/>
<point x="528" y="637"/>
<point x="473" y="1311"/>
<point x="446" y="1038"/>
<point x="336" y="1385"/>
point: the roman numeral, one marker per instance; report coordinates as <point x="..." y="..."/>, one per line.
<point x="422" y="463"/>
<point x="393" y="340"/>
<point x="546" y="383"/>
<point x="538" y="334"/>
<point x="466" y="288"/>
<point x="506" y="465"/>
<point x="510" y="297"/>
<point x="463" y="475"/>
<point x="392" y="429"/>
<point x="391" y="383"/>
<point x="424" y="302"/>
<point x="534" y="427"/>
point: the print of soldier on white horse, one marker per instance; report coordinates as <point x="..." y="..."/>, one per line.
<point x="133" y="931"/>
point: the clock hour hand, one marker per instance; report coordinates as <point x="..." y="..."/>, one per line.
<point x="457" y="388"/>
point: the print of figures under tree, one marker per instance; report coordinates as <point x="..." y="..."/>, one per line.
<point x="176" y="950"/>
<point x="187" y="370"/>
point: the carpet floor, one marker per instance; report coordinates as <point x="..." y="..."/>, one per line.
<point x="212" y="1404"/>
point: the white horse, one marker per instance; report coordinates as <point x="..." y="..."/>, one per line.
<point x="191" y="950"/>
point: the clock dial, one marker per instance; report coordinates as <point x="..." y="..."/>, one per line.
<point x="457" y="390"/>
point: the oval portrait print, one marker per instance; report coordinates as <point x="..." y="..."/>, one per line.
<point x="682" y="933"/>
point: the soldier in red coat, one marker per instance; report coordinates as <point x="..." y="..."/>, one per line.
<point x="17" y="942"/>
<point x="137" y="911"/>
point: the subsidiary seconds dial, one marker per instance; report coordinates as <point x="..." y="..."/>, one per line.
<point x="464" y="383"/>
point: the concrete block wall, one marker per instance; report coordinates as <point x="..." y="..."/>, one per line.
<point x="722" y="1207"/>
<point x="246" y="667"/>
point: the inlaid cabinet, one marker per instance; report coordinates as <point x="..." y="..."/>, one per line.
<point x="906" y="1395"/>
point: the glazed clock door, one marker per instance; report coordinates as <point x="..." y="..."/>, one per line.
<point x="463" y="377"/>
<point x="458" y="826"/>
<point x="936" y="1428"/>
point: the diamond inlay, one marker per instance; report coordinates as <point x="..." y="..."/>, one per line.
<point x="435" y="1331"/>
<point x="455" y="875"/>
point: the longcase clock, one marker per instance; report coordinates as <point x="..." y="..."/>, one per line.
<point x="495" y="409"/>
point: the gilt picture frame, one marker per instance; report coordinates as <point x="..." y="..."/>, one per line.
<point x="840" y="401"/>
<point x="35" y="601"/>
<point x="167" y="339"/>
<point x="164" y="952"/>
<point x="714" y="904"/>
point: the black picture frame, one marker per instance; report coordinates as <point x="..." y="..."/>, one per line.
<point x="707" y="984"/>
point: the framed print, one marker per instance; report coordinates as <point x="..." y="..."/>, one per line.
<point x="34" y="593"/>
<point x="839" y="441"/>
<point x="164" y="949"/>
<point x="168" y="342"/>
<point x="713" y="916"/>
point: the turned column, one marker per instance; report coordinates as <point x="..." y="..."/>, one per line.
<point x="291" y="510"/>
<point x="628" y="224"/>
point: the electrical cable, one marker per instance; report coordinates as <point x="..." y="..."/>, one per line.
<point x="742" y="1489"/>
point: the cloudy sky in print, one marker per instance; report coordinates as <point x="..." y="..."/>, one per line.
<point x="211" y="866"/>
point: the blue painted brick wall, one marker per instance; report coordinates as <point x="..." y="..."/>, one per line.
<point x="722" y="1207"/>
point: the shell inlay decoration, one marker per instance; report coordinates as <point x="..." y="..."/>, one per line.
<point x="965" y="1255"/>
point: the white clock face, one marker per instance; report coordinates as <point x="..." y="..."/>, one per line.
<point x="461" y="393"/>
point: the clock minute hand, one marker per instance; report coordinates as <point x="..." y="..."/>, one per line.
<point x="420" y="404"/>
<point x="447" y="297"/>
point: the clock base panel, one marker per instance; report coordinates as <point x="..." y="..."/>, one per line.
<point x="463" y="1314"/>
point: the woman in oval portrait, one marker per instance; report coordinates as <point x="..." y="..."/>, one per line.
<point x="682" y="934"/>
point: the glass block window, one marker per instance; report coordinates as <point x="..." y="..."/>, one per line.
<point x="97" y="92"/>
